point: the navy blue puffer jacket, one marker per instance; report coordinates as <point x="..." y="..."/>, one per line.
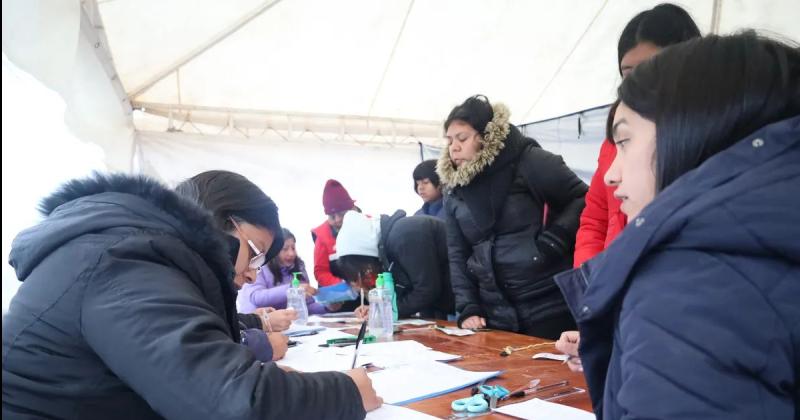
<point x="694" y="311"/>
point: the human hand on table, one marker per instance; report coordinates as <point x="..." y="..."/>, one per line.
<point x="474" y="322"/>
<point x="369" y="397"/>
<point x="276" y="320"/>
<point x="362" y="312"/>
<point x="279" y="343"/>
<point x="568" y="344"/>
<point x="308" y="289"/>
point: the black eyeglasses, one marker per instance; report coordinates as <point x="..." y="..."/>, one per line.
<point x="261" y="257"/>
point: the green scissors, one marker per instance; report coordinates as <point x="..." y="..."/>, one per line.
<point x="473" y="404"/>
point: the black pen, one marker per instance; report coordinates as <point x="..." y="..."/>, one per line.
<point x="358" y="341"/>
<point x="536" y="389"/>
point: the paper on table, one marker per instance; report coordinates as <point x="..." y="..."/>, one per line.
<point x="551" y="356"/>
<point x="312" y="358"/>
<point x="322" y="336"/>
<point x="424" y="379"/>
<point x="413" y="322"/>
<point x="537" y="409"/>
<point x="396" y="353"/>
<point x="316" y="319"/>
<point x="456" y="331"/>
<point x="392" y="412"/>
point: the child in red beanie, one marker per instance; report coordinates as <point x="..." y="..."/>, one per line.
<point x="336" y="202"/>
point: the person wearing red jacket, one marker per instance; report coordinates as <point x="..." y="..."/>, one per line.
<point x="643" y="37"/>
<point x="601" y="220"/>
<point x="336" y="201"/>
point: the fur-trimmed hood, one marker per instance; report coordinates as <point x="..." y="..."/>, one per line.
<point x="494" y="140"/>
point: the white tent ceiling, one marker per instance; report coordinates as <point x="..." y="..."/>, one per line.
<point x="398" y="65"/>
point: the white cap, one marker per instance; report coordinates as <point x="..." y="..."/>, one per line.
<point x="358" y="236"/>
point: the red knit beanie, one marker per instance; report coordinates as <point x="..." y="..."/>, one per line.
<point x="335" y="198"/>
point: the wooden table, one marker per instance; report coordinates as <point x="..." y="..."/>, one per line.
<point x="481" y="352"/>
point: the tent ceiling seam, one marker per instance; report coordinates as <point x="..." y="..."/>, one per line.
<point x="564" y="62"/>
<point x="224" y="110"/>
<point x="93" y="22"/>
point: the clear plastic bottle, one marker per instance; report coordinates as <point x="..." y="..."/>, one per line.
<point x="380" y="322"/>
<point x="388" y="284"/>
<point x="296" y="299"/>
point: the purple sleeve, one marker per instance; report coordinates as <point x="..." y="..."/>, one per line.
<point x="258" y="343"/>
<point x="260" y="295"/>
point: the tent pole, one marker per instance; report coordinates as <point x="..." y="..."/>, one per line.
<point x="715" y="16"/>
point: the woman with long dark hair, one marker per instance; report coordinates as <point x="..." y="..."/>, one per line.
<point x="692" y="311"/>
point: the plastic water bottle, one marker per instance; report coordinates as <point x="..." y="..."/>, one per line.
<point x="388" y="284"/>
<point x="296" y="299"/>
<point x="380" y="322"/>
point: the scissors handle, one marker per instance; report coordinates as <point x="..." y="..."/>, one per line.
<point x="474" y="404"/>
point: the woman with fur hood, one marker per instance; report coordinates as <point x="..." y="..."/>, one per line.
<point x="504" y="247"/>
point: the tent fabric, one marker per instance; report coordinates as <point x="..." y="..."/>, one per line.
<point x="576" y="137"/>
<point x="291" y="173"/>
<point x="36" y="144"/>
<point x="59" y="44"/>
<point x="403" y="59"/>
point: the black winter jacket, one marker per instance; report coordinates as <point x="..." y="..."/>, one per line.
<point x="416" y="248"/>
<point x="127" y="312"/>
<point x="502" y="258"/>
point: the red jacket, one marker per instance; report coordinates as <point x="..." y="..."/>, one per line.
<point x="601" y="220"/>
<point x="324" y="246"/>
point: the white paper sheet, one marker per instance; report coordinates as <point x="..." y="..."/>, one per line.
<point x="537" y="409"/>
<point x="316" y="319"/>
<point x="395" y="353"/>
<point x="413" y="322"/>
<point x="551" y="356"/>
<point x="393" y="412"/>
<point x="459" y="332"/>
<point x="405" y="384"/>
<point x="312" y="358"/>
<point x="308" y="356"/>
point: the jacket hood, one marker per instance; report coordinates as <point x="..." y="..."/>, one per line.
<point x="106" y="201"/>
<point x="493" y="142"/>
<point x="718" y="207"/>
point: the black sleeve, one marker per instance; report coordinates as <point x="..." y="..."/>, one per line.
<point x="153" y="327"/>
<point x="548" y="176"/>
<point x="465" y="290"/>
<point x="250" y="321"/>
<point x="413" y="247"/>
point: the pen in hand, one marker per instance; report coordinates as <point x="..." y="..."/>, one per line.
<point x="358" y="341"/>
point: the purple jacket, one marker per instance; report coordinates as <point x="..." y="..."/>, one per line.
<point x="263" y="292"/>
